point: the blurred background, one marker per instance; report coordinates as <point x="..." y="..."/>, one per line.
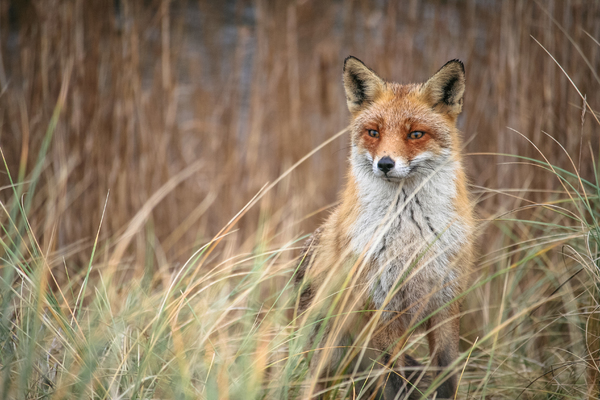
<point x="184" y="110"/>
<point x="134" y="131"/>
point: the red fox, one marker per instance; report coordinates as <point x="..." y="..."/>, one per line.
<point x="394" y="255"/>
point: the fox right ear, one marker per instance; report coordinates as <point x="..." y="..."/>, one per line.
<point x="362" y="85"/>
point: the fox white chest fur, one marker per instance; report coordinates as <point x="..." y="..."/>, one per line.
<point x="409" y="229"/>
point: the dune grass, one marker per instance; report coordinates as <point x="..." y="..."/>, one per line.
<point x="227" y="327"/>
<point x="153" y="203"/>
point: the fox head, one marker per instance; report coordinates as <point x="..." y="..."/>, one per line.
<point x="403" y="131"/>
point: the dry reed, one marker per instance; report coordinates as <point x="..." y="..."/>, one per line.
<point x="183" y="111"/>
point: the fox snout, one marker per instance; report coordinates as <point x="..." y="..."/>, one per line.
<point x="391" y="167"/>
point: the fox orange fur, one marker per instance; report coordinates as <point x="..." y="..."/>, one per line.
<point x="396" y="252"/>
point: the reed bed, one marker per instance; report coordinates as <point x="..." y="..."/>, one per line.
<point x="162" y="162"/>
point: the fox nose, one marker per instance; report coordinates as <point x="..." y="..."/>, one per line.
<point x="385" y="164"/>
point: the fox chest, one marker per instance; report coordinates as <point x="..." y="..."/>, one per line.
<point x="409" y="241"/>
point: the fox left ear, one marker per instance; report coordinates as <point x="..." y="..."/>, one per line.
<point x="444" y="90"/>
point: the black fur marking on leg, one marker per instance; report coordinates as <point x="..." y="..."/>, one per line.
<point x="403" y="383"/>
<point x="443" y="359"/>
<point x="300" y="274"/>
<point x="305" y="297"/>
<point x="448" y="388"/>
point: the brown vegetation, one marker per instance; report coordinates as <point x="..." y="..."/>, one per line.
<point x="246" y="89"/>
<point x="184" y="110"/>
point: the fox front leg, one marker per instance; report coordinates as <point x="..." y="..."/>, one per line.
<point x="443" y="347"/>
<point x="405" y="373"/>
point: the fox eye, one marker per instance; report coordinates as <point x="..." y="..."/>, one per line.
<point x="416" y="135"/>
<point x="373" y="133"/>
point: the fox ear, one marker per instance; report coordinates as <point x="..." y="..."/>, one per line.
<point x="362" y="85"/>
<point x="444" y="90"/>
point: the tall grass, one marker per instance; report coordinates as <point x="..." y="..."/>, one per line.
<point x="145" y="255"/>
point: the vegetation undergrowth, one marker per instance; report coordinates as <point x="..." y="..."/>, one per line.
<point x="144" y="254"/>
<point x="227" y="327"/>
